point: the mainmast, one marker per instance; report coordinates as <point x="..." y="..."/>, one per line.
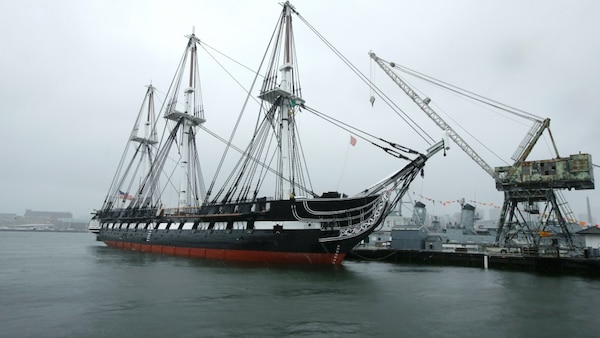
<point x="149" y="138"/>
<point x="286" y="111"/>
<point x="189" y="119"/>
<point x="147" y="145"/>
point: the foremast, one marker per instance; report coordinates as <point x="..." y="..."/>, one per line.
<point x="286" y="95"/>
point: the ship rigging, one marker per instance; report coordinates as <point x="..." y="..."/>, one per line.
<point x="237" y="219"/>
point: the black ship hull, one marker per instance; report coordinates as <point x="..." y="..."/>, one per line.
<point x="293" y="246"/>
<point x="320" y="231"/>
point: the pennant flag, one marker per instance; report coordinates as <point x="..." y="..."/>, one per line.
<point x="352" y="140"/>
<point x="124" y="196"/>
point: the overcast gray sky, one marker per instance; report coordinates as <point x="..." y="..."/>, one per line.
<point x="73" y="77"/>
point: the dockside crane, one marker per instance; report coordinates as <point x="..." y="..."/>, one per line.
<point x="524" y="183"/>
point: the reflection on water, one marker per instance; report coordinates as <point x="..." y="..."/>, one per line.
<point x="59" y="285"/>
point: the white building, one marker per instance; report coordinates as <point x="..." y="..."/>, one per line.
<point x="591" y="236"/>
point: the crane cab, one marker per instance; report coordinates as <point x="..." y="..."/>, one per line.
<point x="573" y="172"/>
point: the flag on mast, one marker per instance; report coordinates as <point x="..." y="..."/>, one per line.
<point x="124" y="196"/>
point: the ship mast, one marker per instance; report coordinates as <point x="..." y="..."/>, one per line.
<point x="149" y="131"/>
<point x="286" y="111"/>
<point x="187" y="128"/>
<point x="286" y="96"/>
<point x="147" y="124"/>
<point x="138" y="156"/>
<point x="189" y="119"/>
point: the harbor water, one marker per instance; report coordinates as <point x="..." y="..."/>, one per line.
<point x="68" y="285"/>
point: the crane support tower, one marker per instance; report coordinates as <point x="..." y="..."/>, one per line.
<point x="525" y="183"/>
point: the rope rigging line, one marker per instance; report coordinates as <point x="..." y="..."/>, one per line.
<point x="403" y="115"/>
<point x="222" y="160"/>
<point x="204" y="46"/>
<point x="149" y="182"/>
<point x="266" y="168"/>
<point x="463" y="129"/>
<point x="466" y="93"/>
<point x="238" y="183"/>
<point x="252" y="163"/>
<point x="305" y="164"/>
<point x="248" y="91"/>
<point x="456" y="91"/>
<point x="354" y="130"/>
<point x="237" y="174"/>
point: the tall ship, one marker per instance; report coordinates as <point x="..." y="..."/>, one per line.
<point x="263" y="210"/>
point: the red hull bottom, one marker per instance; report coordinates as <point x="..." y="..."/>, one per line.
<point x="234" y="255"/>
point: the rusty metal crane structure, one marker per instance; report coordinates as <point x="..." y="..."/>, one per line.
<point x="525" y="184"/>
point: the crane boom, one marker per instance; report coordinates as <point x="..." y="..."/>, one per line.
<point x="424" y="105"/>
<point x="524" y="182"/>
<point x="531" y="139"/>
